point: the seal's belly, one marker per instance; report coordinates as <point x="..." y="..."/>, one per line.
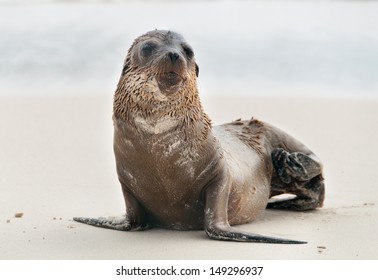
<point x="250" y="172"/>
<point x="167" y="193"/>
<point x="167" y="175"/>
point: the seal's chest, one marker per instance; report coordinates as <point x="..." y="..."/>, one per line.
<point x="167" y="148"/>
<point x="174" y="158"/>
<point x="163" y="168"/>
<point x="156" y="126"/>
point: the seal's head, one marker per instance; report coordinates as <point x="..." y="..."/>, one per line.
<point x="165" y="58"/>
<point x="159" y="81"/>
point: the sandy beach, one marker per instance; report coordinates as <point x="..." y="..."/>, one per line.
<point x="57" y="162"/>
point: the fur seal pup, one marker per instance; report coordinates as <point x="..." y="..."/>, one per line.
<point x="179" y="172"/>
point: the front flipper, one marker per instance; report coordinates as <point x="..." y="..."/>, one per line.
<point x="134" y="219"/>
<point x="216" y="219"/>
<point x="226" y="232"/>
<point x="117" y="223"/>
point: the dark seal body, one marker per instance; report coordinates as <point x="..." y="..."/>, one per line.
<point x="177" y="171"/>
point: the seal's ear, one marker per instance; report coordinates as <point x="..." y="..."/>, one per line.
<point x="197" y="70"/>
<point x="126" y="66"/>
<point x="124" y="69"/>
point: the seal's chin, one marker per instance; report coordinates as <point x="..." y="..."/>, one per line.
<point x="169" y="82"/>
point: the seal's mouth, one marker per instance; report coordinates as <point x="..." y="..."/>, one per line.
<point x="169" y="82"/>
<point x="170" y="78"/>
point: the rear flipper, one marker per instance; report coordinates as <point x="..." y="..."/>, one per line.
<point x="295" y="165"/>
<point x="299" y="174"/>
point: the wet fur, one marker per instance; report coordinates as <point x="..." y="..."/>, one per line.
<point x="179" y="172"/>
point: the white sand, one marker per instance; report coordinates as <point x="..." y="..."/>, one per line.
<point x="56" y="162"/>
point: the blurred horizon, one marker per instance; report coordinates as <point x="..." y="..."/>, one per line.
<point x="274" y="48"/>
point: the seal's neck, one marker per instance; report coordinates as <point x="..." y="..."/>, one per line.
<point x="139" y="99"/>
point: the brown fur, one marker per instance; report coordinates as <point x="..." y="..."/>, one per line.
<point x="131" y="99"/>
<point x="179" y="172"/>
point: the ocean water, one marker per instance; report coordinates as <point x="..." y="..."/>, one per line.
<point x="254" y="48"/>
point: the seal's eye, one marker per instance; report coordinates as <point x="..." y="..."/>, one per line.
<point x="188" y="51"/>
<point x="148" y="48"/>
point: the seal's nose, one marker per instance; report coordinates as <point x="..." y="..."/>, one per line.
<point x="173" y="56"/>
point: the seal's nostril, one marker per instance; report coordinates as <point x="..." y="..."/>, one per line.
<point x="173" y="56"/>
